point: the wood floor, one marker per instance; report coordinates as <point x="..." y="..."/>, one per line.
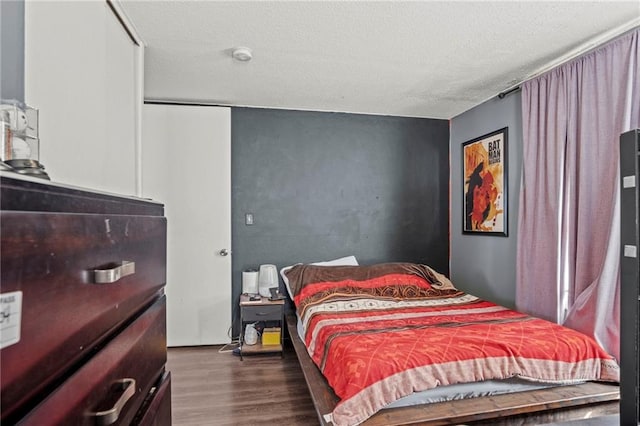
<point x="210" y="388"/>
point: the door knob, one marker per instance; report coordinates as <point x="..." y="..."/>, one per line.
<point x="224" y="252"/>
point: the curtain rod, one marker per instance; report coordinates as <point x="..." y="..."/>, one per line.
<point x="581" y="50"/>
<point x="501" y="95"/>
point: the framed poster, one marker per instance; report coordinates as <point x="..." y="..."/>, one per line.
<point x="484" y="168"/>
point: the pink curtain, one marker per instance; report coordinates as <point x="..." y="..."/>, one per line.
<point x="569" y="231"/>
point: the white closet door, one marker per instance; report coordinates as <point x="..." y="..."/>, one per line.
<point x="80" y="73"/>
<point x="186" y="164"/>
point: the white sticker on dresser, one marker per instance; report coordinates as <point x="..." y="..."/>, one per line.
<point x="10" y="318"/>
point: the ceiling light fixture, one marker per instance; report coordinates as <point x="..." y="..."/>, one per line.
<point x="242" y="54"/>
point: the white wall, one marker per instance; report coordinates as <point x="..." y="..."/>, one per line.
<point x="80" y="72"/>
<point x="486" y="265"/>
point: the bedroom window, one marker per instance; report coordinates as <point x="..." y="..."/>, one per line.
<point x="569" y="233"/>
<point x="563" y="276"/>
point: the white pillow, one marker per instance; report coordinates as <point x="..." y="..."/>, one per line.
<point x="343" y="261"/>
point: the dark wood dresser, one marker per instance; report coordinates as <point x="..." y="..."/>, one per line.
<point x="82" y="307"/>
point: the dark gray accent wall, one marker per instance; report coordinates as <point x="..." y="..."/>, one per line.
<point x="12" y="49"/>
<point x="327" y="185"/>
<point x="486" y="265"/>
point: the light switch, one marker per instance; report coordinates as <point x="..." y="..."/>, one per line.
<point x="630" y="251"/>
<point x="248" y="218"/>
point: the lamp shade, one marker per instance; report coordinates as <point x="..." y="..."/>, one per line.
<point x="268" y="278"/>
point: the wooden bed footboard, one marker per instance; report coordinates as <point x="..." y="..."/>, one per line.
<point x="562" y="403"/>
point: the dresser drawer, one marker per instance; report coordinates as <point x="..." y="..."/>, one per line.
<point x="111" y="387"/>
<point x="262" y="313"/>
<point x="157" y="411"/>
<point x="64" y="315"/>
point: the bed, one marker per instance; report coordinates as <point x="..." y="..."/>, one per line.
<point x="370" y="336"/>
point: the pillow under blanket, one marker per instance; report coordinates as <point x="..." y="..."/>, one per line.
<point x="301" y="276"/>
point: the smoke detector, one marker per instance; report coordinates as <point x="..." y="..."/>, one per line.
<point x="242" y="54"/>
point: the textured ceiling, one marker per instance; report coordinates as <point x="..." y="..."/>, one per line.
<point x="422" y="59"/>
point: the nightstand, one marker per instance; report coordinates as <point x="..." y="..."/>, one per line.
<point x="263" y="310"/>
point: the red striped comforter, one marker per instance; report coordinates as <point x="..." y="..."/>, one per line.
<point x="381" y="332"/>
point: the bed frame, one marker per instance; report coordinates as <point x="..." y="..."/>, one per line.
<point x="528" y="407"/>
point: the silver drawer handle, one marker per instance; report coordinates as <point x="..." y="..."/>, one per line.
<point x="111" y="275"/>
<point x="110" y="416"/>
